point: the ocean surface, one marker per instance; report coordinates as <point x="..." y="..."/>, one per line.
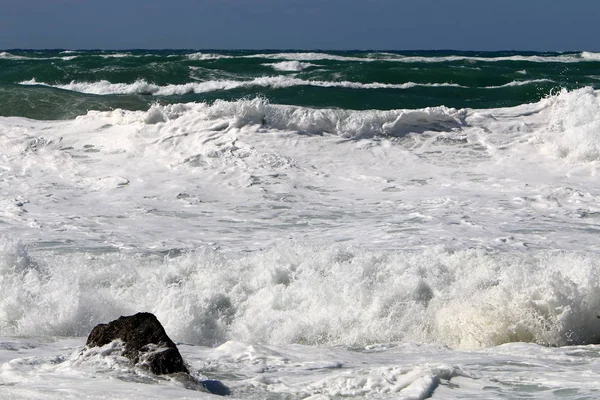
<point x="306" y="225"/>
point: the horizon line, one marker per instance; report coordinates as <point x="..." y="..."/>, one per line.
<point x="293" y="50"/>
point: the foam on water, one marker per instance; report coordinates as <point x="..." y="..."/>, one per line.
<point x="142" y="87"/>
<point x="54" y="368"/>
<point x="564" y="125"/>
<point x="311" y="56"/>
<point x="519" y="83"/>
<point x="584" y="56"/>
<point x="302" y="293"/>
<point x="566" y="58"/>
<point x="51" y="368"/>
<point x="206" y="56"/>
<point x="466" y="231"/>
<point x="290" y="65"/>
<point x="116" y="55"/>
<point x="573" y="131"/>
<point x="588" y="55"/>
<point x="7" y="56"/>
<point x="303" y="252"/>
<point x="498" y="178"/>
<point x="344" y="123"/>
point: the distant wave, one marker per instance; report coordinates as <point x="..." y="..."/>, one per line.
<point x="205" y="56"/>
<point x="324" y="56"/>
<point x="116" y="55"/>
<point x="8" y="56"/>
<point x="70" y="55"/>
<point x="519" y="83"/>
<point x="290" y="66"/>
<point x="350" y="124"/>
<point x="276" y="82"/>
<point x="345" y="123"/>
<point x="307" y="57"/>
<point x="567" y="58"/>
<point x="587" y="55"/>
<point x="312" y="56"/>
<point x="143" y="87"/>
<point x="563" y="126"/>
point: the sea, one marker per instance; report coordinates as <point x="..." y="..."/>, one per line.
<point x="305" y="224"/>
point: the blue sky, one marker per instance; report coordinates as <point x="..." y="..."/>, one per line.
<point x="308" y="24"/>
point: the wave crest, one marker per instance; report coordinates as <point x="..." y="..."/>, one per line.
<point x="275" y="82"/>
<point x="300" y="293"/>
<point x="345" y="123"/>
<point x="573" y="128"/>
<point x="293" y="66"/>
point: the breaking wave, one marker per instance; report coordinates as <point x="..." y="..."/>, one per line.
<point x="276" y="82"/>
<point x="563" y="58"/>
<point x="290" y="66"/>
<point x="519" y="83"/>
<point x="572" y="131"/>
<point x="302" y="293"/>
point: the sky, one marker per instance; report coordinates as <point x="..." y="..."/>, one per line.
<point x="537" y="25"/>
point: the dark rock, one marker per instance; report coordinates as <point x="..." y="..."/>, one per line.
<point x="145" y="342"/>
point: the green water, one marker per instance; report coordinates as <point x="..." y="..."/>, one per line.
<point x="32" y="83"/>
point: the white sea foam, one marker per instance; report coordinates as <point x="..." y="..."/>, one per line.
<point x="390" y="57"/>
<point x="290" y="66"/>
<point x="35" y="368"/>
<point x="116" y="55"/>
<point x="281" y="184"/>
<point x="307" y="57"/>
<point x="301" y="293"/>
<point x="572" y="131"/>
<point x="564" y="58"/>
<point x="41" y="368"/>
<point x="519" y="83"/>
<point x="7" y="56"/>
<point x="142" y="87"/>
<point x="206" y="56"/>
<point x="588" y="55"/>
<point x="536" y="160"/>
<point x="394" y="254"/>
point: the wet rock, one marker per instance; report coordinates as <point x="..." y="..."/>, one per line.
<point x="145" y="342"/>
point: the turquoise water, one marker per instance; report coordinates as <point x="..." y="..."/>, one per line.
<point x="63" y="84"/>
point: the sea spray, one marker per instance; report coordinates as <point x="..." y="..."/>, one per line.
<point x="302" y="293"/>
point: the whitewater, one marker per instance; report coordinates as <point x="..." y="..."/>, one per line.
<point x="301" y="249"/>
